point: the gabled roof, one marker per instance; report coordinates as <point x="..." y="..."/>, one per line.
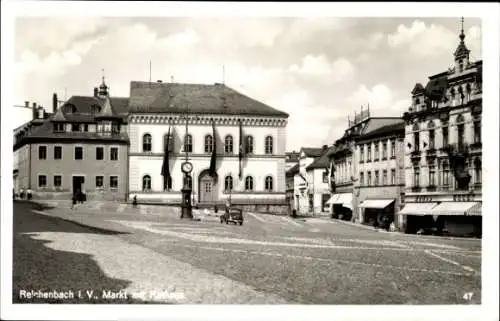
<point x="148" y="97"/>
<point x="417" y="89"/>
<point x="84" y="104"/>
<point x="322" y="162"/>
<point x="292" y="157"/>
<point x="293" y="170"/>
<point x="59" y="116"/>
<point x="311" y="151"/>
<point x="397" y="128"/>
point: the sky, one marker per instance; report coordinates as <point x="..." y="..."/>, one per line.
<point x="318" y="70"/>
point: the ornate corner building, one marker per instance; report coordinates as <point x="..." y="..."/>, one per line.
<point x="443" y="149"/>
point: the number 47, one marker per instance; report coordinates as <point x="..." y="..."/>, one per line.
<point x="468" y="296"/>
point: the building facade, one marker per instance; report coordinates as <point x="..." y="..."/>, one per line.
<point x="443" y="151"/>
<point x="303" y="183"/>
<point x="196" y="120"/>
<point x="379" y="187"/>
<point x="82" y="147"/>
<point x="318" y="189"/>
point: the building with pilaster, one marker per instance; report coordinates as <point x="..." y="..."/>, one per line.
<point x="443" y="150"/>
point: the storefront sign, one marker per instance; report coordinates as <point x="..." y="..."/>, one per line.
<point x="442" y="198"/>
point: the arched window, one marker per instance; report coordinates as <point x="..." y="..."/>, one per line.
<point x="249" y="145"/>
<point x="209" y="143"/>
<point x="269" y="183"/>
<point x="460" y="130"/>
<point x="167" y="183"/>
<point x="249" y="183"/>
<point x="269" y="145"/>
<point x="146" y="183"/>
<point x="416" y="138"/>
<point x="228" y="183"/>
<point x="188" y="143"/>
<point x="477" y="170"/>
<point x="432" y="135"/>
<point x="170" y="139"/>
<point x="228" y="144"/>
<point x="146" y="143"/>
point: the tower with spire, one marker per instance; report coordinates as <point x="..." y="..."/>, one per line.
<point x="103" y="88"/>
<point x="462" y="52"/>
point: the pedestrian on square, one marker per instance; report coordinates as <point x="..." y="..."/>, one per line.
<point x="29" y="194"/>
<point x="73" y="201"/>
<point x="134" y="201"/>
<point x="21" y="193"/>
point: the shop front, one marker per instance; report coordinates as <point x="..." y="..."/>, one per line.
<point x="341" y="206"/>
<point x="377" y="212"/>
<point x="458" y="214"/>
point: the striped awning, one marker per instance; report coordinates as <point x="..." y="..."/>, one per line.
<point x="376" y="203"/>
<point x="458" y="208"/>
<point x="332" y="199"/>
<point x="344" y="199"/>
<point x="417" y="209"/>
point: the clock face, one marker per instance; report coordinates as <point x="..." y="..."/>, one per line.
<point x="187" y="167"/>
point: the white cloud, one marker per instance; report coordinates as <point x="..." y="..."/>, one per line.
<point x="431" y="40"/>
<point x="380" y="98"/>
<point x="187" y="37"/>
<point x="337" y="71"/>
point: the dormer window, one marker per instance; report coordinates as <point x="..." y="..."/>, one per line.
<point x="69" y="109"/>
<point x="460" y="65"/>
<point x="95" y="109"/>
<point x="58" y="128"/>
<point x="75" y="127"/>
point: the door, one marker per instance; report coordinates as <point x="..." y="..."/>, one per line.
<point x="208" y="189"/>
<point x="78" y="183"/>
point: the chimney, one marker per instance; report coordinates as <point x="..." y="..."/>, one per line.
<point x="325" y="147"/>
<point x="27" y="104"/>
<point x="34" y="111"/>
<point x="96" y="91"/>
<point x="159" y="81"/>
<point x="54" y="103"/>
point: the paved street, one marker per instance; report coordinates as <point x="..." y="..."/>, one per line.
<point x="154" y="256"/>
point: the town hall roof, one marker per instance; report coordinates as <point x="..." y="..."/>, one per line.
<point x="146" y="97"/>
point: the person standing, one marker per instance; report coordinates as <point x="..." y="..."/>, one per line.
<point x="29" y="194"/>
<point x="21" y="193"/>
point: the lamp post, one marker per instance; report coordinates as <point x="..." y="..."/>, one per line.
<point x="186" y="168"/>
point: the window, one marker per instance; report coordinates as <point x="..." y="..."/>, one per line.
<point x="42" y="181"/>
<point x="146" y="183"/>
<point x="99" y="153"/>
<point x="228" y="183"/>
<point x="460" y="129"/>
<point x="432" y="175"/>
<point x="58" y="127"/>
<point x="99" y="181"/>
<point x="325" y="177"/>
<point x="384" y="150"/>
<point x="431" y="139"/>
<point x="146" y="143"/>
<point x="393" y="176"/>
<point x="269" y="145"/>
<point x="228" y="144"/>
<point x="362" y="153"/>
<point x="384" y="177"/>
<point x="115" y="128"/>
<point x="477" y="170"/>
<point x="249" y="145"/>
<point x="57" y="152"/>
<point x="75" y="127"/>
<point x="170" y="139"/>
<point x="416" y="177"/>
<point x="446" y="174"/>
<point x="57" y="181"/>
<point x="78" y="152"/>
<point x="369" y="179"/>
<point x="376" y="178"/>
<point x="269" y="184"/>
<point x="42" y="152"/>
<point x="167" y="183"/>
<point x="416" y="141"/>
<point x="209" y="143"/>
<point x="361" y="178"/>
<point x="85" y="127"/>
<point x="477" y="131"/>
<point x="369" y="154"/>
<point x="376" y="151"/>
<point x="445" y="136"/>
<point x="393" y="148"/>
<point x="113" y="182"/>
<point x="113" y="154"/>
<point x="460" y="66"/>
<point x="249" y="183"/>
<point x="188" y="143"/>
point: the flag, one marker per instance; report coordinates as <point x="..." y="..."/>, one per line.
<point x="212" y="169"/>
<point x="241" y="150"/>
<point x="165" y="168"/>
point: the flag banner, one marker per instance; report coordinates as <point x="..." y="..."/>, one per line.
<point x="213" y="159"/>
<point x="241" y="150"/>
<point x="165" y="168"/>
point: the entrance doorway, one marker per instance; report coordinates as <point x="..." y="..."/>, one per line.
<point x="207" y="188"/>
<point x="78" y="184"/>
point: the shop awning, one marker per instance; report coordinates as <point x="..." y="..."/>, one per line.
<point x="376" y="203"/>
<point x="458" y="208"/>
<point x="417" y="209"/>
<point x="332" y="199"/>
<point x="345" y="199"/>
